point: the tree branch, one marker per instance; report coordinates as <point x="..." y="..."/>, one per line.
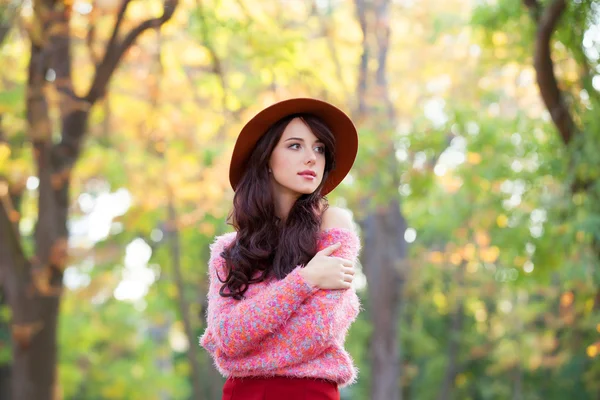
<point x="544" y="68"/>
<point x="534" y="9"/>
<point x="14" y="266"/>
<point x="217" y="64"/>
<point x="361" y="11"/>
<point x="91" y="37"/>
<point x="12" y="11"/>
<point x="4" y="28"/>
<point x="114" y="50"/>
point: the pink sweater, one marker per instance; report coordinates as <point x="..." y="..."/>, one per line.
<point x="283" y="327"/>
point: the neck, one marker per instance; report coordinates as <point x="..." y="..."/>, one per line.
<point x="283" y="204"/>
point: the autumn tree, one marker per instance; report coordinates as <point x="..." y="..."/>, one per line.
<point x="33" y="285"/>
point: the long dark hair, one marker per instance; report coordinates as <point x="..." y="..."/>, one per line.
<point x="264" y="243"/>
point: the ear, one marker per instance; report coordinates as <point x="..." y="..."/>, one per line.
<point x="337" y="217"/>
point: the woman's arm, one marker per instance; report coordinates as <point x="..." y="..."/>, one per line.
<point x="326" y="316"/>
<point x="238" y="325"/>
<point x="320" y="322"/>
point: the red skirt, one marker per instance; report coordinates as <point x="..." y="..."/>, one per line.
<point x="280" y="387"/>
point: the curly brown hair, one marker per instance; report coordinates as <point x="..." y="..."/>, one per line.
<point x="263" y="243"/>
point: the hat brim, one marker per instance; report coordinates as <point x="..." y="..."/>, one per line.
<point x="344" y="131"/>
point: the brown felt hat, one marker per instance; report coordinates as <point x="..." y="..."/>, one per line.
<point x="346" y="137"/>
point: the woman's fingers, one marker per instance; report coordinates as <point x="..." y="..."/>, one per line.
<point x="343" y="261"/>
<point x="348" y="276"/>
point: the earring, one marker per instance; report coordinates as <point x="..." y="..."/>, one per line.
<point x="270" y="170"/>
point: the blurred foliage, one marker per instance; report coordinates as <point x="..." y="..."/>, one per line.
<point x="501" y="242"/>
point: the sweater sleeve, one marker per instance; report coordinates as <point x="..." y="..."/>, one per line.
<point x="322" y="321"/>
<point x="237" y="326"/>
<point x="326" y="316"/>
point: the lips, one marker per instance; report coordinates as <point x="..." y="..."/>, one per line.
<point x="307" y="173"/>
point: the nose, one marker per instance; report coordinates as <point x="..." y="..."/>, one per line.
<point x="311" y="158"/>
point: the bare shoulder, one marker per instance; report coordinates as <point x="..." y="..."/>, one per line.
<point x="337" y="217"/>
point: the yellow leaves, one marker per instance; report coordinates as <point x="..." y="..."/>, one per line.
<point x="108" y="5"/>
<point x="481" y="315"/>
<point x="499" y="38"/>
<point x="460" y="380"/>
<point x="482" y="238"/>
<point x="455" y="258"/>
<point x="578" y="199"/>
<point x="535" y="361"/>
<point x="172" y="291"/>
<point x="160" y="147"/>
<point x="472" y="267"/>
<point x="450" y="183"/>
<point x="114" y="390"/>
<point x="566" y="299"/>
<point x="207" y="229"/>
<point x="502" y="221"/>
<point x="562" y="229"/>
<point x="236" y="79"/>
<point x="489" y="254"/>
<point x="519" y="261"/>
<point x="593" y="350"/>
<point x="469" y="252"/>
<point x="436" y="257"/>
<point x="461" y="233"/>
<point x="4" y="153"/>
<point x="473" y="158"/>
<point x="440" y="302"/>
<point x="589" y="306"/>
<point x="195" y="56"/>
<point x="137" y="371"/>
<point x="598" y="328"/>
<point x="548" y="342"/>
<point x="500" y="52"/>
<point x="177" y="338"/>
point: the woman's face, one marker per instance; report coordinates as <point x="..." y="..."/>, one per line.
<point x="298" y="151"/>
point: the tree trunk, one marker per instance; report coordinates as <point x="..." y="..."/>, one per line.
<point x="547" y="19"/>
<point x="183" y="304"/>
<point x="163" y="361"/>
<point x="385" y="249"/>
<point x="5" y="365"/>
<point x="34" y="318"/>
<point x="382" y="256"/>
<point x="456" y="325"/>
<point x="33" y="287"/>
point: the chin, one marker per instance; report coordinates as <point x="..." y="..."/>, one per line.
<point x="306" y="190"/>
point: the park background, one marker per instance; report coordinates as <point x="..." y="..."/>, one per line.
<point x="475" y="190"/>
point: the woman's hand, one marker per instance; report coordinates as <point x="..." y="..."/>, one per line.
<point x="329" y="272"/>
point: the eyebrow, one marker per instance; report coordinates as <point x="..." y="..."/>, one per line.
<point x="302" y="140"/>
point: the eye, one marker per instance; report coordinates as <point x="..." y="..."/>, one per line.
<point x="321" y="149"/>
<point x="292" y="145"/>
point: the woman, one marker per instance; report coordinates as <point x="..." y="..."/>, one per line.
<point x="280" y="300"/>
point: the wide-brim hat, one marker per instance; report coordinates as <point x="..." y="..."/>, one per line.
<point x="344" y="131"/>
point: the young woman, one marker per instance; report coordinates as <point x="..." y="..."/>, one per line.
<point x="281" y="300"/>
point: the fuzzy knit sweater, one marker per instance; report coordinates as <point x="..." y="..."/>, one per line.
<point x="283" y="327"/>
